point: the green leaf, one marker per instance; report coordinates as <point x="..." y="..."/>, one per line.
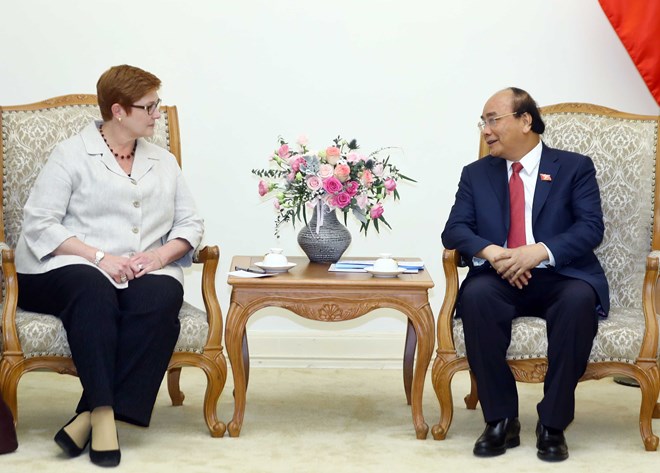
<point x="385" y="222"/>
<point x="406" y="178"/>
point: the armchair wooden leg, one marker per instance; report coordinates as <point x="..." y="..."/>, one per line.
<point x="216" y="375"/>
<point x="442" y="375"/>
<point x="173" y="386"/>
<point x="656" y="411"/>
<point x="647" y="409"/>
<point x="408" y="359"/>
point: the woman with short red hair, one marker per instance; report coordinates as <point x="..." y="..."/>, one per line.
<point x="109" y="225"/>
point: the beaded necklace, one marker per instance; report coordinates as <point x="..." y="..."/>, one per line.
<point x="117" y="155"/>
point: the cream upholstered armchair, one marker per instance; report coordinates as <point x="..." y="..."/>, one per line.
<point x="32" y="341"/>
<point x="625" y="151"/>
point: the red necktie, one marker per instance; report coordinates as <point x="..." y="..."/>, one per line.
<point x="517" y="209"/>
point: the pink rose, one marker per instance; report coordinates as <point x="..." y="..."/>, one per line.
<point x="314" y="182"/>
<point x="263" y="188"/>
<point x="291" y="176"/>
<point x="302" y="141"/>
<point x="332" y="155"/>
<point x="351" y="187"/>
<point x="376" y="211"/>
<point x="276" y="204"/>
<point x="353" y="157"/>
<point x="283" y="152"/>
<point x="342" y="171"/>
<point x="295" y="163"/>
<point x="326" y="171"/>
<point x="390" y="184"/>
<point x="332" y="185"/>
<point x="367" y="178"/>
<point x="341" y="200"/>
<point x="378" y="170"/>
<point x="362" y="200"/>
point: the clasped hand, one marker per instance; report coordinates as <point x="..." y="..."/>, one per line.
<point x="515" y="264"/>
<point x="123" y="269"/>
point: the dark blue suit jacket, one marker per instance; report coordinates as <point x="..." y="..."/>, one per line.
<point x="566" y="214"/>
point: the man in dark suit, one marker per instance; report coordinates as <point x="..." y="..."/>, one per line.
<point x="529" y="255"/>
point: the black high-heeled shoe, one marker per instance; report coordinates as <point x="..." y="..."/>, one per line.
<point x="66" y="443"/>
<point x="105" y="457"/>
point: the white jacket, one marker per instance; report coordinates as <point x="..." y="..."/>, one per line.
<point x="82" y="192"/>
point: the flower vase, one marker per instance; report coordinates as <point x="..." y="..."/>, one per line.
<point x="327" y="241"/>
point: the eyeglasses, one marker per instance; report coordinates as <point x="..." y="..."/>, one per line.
<point x="150" y="109"/>
<point x="492" y="121"/>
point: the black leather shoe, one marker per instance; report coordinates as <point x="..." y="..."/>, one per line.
<point x="497" y="437"/>
<point x="67" y="444"/>
<point x="551" y="445"/>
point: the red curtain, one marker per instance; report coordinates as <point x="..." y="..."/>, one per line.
<point x="637" y="22"/>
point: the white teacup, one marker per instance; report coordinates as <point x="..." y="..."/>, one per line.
<point x="385" y="263"/>
<point x="275" y="258"/>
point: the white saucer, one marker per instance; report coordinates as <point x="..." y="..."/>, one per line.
<point x="384" y="274"/>
<point x="275" y="269"/>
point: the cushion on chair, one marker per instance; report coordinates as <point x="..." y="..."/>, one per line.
<point x="44" y="335"/>
<point x="619" y="337"/>
<point x="194" y="329"/>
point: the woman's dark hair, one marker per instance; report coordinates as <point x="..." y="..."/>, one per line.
<point x="524" y="103"/>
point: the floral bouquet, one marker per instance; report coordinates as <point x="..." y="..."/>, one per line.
<point x="338" y="177"/>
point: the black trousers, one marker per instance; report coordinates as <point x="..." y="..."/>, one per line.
<point x="488" y="305"/>
<point x="121" y="339"/>
<point x="8" y="440"/>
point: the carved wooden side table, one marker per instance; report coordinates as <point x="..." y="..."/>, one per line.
<point x="310" y="291"/>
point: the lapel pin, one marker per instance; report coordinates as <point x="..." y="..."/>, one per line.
<point x="545" y="177"/>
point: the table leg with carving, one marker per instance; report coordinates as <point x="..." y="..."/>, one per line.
<point x="409" y="358"/>
<point x="423" y="323"/>
<point x="237" y="317"/>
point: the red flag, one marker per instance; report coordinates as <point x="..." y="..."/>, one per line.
<point x="637" y="22"/>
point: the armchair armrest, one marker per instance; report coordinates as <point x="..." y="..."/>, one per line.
<point x="450" y="263"/>
<point x="209" y="256"/>
<point x="11" y="345"/>
<point x="649" y="350"/>
<point x="201" y="253"/>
